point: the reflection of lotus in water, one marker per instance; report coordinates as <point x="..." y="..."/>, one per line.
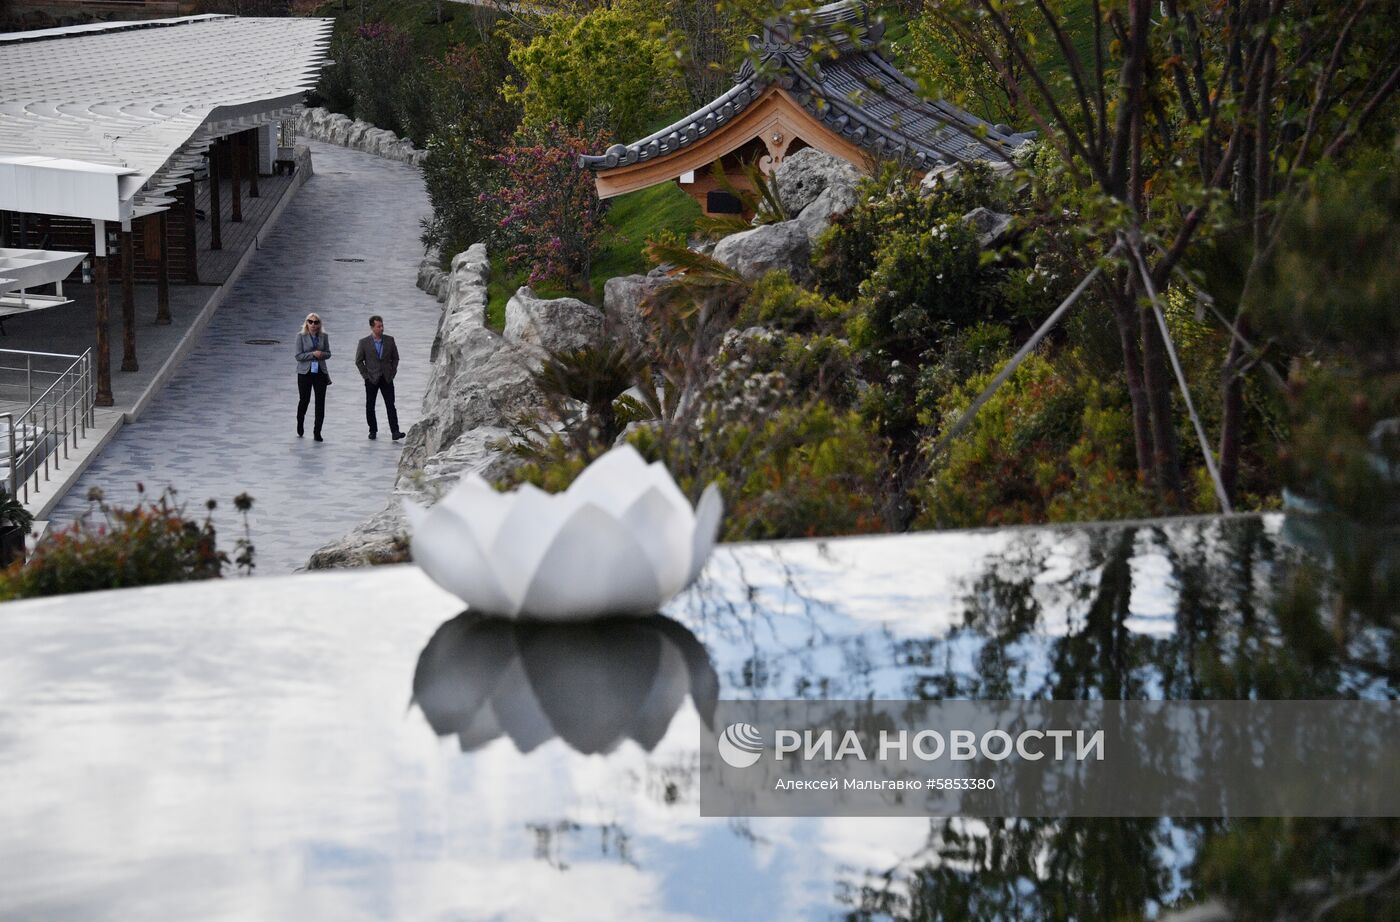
<point x="592" y="684"/>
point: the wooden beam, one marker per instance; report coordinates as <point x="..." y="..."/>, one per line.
<point x="128" y="245"/>
<point x="104" y="350"/>
<point x="235" y="169"/>
<point x="216" y="234"/>
<point x="162" y="223"/>
<point x="191" y="236"/>
<point x="250" y="146"/>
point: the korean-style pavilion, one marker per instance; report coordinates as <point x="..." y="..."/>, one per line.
<point x="821" y="83"/>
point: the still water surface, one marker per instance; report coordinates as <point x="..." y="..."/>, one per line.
<point x="253" y="750"/>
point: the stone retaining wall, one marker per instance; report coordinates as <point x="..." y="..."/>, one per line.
<point x="323" y="125"/>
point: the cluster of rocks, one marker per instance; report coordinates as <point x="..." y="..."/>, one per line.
<point x="333" y="128"/>
<point x="814" y="187"/>
<point x="482" y="382"/>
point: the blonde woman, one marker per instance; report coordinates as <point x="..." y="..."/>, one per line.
<point x="313" y="348"/>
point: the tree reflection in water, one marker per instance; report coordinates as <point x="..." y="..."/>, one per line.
<point x="1253" y="618"/>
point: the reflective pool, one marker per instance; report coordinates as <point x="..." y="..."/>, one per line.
<point x="349" y="746"/>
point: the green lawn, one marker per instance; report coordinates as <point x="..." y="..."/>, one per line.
<point x="631" y="219"/>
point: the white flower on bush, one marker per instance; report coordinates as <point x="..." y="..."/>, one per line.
<point x="622" y="539"/>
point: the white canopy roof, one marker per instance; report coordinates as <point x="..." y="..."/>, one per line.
<point x="101" y="120"/>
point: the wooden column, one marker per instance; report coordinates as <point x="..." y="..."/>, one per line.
<point x="128" y="245"/>
<point x="235" y="169"/>
<point x="99" y="290"/>
<point x="216" y="234"/>
<point x="191" y="240"/>
<point x="162" y="224"/>
<point x="250" y="146"/>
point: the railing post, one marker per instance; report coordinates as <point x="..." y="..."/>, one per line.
<point x="67" y="417"/>
<point x="14" y="470"/>
<point x="29" y="379"/>
<point x="48" y="426"/>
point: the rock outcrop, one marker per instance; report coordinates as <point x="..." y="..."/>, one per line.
<point x="989" y="226"/>
<point x="479" y="382"/>
<point x="624" y="298"/>
<point x="753" y="253"/>
<point x="332" y="127"/>
<point x="816" y="187"/>
<point x="805" y="175"/>
<point x="430" y="277"/>
<point x="554" y="324"/>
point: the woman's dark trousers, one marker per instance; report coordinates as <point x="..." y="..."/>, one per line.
<point x="305" y="385"/>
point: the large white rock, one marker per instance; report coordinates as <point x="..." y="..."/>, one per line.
<point x="754" y="253"/>
<point x="624" y="298"/>
<point x="989" y="226"/>
<point x="835" y="199"/>
<point x="554" y="324"/>
<point x="805" y="175"/>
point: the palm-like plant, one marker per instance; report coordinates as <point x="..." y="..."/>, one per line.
<point x="760" y="199"/>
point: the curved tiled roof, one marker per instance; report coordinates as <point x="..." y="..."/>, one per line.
<point x="836" y="73"/>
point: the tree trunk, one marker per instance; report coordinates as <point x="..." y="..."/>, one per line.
<point x="1232" y="413"/>
<point x="1132" y="373"/>
<point x="1157" y="381"/>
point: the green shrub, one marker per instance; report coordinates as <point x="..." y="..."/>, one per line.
<point x="890" y="203"/>
<point x="149" y="543"/>
<point x="461" y="179"/>
<point x="1050" y="445"/>
<point x="602" y="70"/>
<point x="380" y="60"/>
<point x="800" y="471"/>
<point x="925" y="285"/>
<point x="1329" y="294"/>
<point x="777" y="301"/>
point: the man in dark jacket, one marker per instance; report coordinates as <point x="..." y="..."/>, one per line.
<point x="377" y="358"/>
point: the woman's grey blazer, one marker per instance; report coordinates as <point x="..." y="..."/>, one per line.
<point x="306" y="344"/>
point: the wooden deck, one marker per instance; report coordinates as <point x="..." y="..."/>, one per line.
<point x="215" y="266"/>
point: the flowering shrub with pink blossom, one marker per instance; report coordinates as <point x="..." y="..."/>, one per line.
<point x="551" y="219"/>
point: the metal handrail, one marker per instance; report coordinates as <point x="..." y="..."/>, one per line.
<point x="65" y="408"/>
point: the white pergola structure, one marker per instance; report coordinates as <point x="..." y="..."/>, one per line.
<point x="104" y="121"/>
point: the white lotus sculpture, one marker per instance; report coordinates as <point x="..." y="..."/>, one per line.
<point x="622" y="539"/>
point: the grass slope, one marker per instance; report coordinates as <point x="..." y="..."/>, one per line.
<point x="631" y="219"/>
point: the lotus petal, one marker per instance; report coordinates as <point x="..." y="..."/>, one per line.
<point x="704" y="683"/>
<point x="444" y="546"/>
<point x="459" y="670"/>
<point x="517" y="709"/>
<point x="707" y="518"/>
<point x="592" y="684"/>
<point x="664" y="538"/>
<point x="592" y="566"/>
<point x="535" y="517"/>
<point x="484" y="509"/>
<point x="663" y="699"/>
<point x="613" y="481"/>
<point x="590" y="679"/>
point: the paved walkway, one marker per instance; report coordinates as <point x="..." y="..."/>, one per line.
<point x="226" y="422"/>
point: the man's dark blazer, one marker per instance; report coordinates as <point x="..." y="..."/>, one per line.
<point x="371" y="366"/>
